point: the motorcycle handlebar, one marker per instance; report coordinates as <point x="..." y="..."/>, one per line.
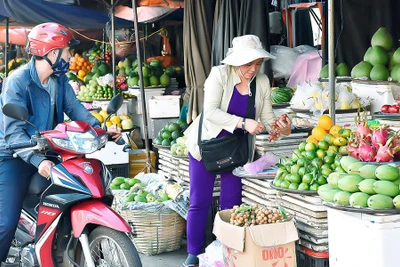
<point x="20" y="145"/>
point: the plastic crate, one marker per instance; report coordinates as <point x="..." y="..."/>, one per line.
<point x="308" y="258"/>
<point x="119" y="170"/>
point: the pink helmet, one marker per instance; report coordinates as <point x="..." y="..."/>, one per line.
<point x="48" y="36"/>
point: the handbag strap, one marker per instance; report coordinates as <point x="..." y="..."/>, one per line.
<point x="250" y="109"/>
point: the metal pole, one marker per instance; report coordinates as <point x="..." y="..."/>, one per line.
<point x="6" y="46"/>
<point x="113" y="45"/>
<point x="104" y="45"/>
<point x="287" y="23"/>
<point x="331" y="59"/>
<point x="142" y="93"/>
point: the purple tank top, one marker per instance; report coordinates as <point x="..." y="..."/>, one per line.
<point x="237" y="106"/>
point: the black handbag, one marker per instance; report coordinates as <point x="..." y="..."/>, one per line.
<point x="227" y="152"/>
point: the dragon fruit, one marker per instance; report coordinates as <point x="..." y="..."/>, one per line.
<point x="385" y="152"/>
<point x="362" y="130"/>
<point x="379" y="136"/>
<point x="366" y="152"/>
<point x="396" y="145"/>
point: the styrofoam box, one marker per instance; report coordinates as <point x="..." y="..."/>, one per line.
<point x="149" y="93"/>
<point x="380" y="94"/>
<point x="165" y="106"/>
<point x="103" y="104"/>
<point x="359" y="239"/>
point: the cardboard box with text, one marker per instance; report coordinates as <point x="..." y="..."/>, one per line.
<point x="268" y="245"/>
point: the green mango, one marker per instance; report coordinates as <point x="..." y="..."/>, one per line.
<point x="345" y="161"/>
<point x="350" y="183"/>
<point x="359" y="199"/>
<point x="140" y="199"/>
<point x="387" y="173"/>
<point x="367" y="186"/>
<point x="368" y="171"/>
<point x="341" y="198"/>
<point x="386" y="188"/>
<point x="118" y="181"/>
<point x="396" y="202"/>
<point x="163" y="197"/>
<point x="380" y="202"/>
<point x="150" y="198"/>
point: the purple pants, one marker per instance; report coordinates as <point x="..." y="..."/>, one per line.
<point x="201" y="195"/>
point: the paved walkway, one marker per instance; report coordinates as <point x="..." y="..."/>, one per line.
<point x="169" y="259"/>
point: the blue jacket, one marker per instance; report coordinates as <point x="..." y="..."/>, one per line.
<point x="23" y="87"/>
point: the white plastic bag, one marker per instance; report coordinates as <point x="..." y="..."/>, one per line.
<point x="282" y="66"/>
<point x="213" y="256"/>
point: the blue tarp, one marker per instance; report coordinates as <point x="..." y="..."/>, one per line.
<point x="38" y="11"/>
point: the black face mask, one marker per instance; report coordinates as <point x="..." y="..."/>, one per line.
<point x="61" y="68"/>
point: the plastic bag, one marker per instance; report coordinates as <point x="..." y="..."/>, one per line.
<point x="304" y="48"/>
<point x="282" y="66"/>
<point x="105" y="80"/>
<point x="213" y="256"/>
<point x="266" y="161"/>
<point x="306" y="95"/>
<point x="306" y="68"/>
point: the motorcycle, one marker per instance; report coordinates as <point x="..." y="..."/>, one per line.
<point x="67" y="220"/>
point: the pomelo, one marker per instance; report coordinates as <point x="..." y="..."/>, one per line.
<point x="378" y="55"/>
<point x="379" y="73"/>
<point x="382" y="38"/>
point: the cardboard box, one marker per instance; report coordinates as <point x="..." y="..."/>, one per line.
<point x="166" y="106"/>
<point x="269" y="245"/>
<point x="137" y="161"/>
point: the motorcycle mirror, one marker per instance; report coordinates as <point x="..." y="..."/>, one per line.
<point x="115" y="104"/>
<point x="15" y="111"/>
<point x="19" y="113"/>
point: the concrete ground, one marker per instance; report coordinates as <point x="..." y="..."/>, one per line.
<point x="169" y="259"/>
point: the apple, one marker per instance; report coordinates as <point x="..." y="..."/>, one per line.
<point x="126" y="124"/>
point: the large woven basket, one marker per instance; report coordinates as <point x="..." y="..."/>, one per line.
<point x="155" y="232"/>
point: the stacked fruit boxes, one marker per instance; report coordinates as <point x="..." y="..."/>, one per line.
<point x="177" y="169"/>
<point x="310" y="217"/>
<point x="259" y="191"/>
<point x="283" y="147"/>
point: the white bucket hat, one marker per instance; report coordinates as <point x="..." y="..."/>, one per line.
<point x="245" y="49"/>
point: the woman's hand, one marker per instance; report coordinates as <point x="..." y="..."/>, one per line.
<point x="254" y="127"/>
<point x="114" y="131"/>
<point x="284" y="125"/>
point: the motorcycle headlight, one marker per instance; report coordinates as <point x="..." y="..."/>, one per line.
<point x="84" y="143"/>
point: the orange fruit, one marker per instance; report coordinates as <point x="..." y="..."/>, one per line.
<point x="312" y="139"/>
<point x="335" y="130"/>
<point x="325" y="122"/>
<point x="318" y="132"/>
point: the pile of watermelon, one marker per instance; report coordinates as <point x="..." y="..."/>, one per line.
<point x="281" y="94"/>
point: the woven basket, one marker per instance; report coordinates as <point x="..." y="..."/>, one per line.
<point x="155" y="232"/>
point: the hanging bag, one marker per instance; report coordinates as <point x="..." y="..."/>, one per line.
<point x="227" y="152"/>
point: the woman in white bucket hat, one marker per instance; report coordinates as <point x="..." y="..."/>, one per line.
<point x="226" y="94"/>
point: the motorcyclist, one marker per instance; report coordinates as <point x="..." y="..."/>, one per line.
<point x="42" y="87"/>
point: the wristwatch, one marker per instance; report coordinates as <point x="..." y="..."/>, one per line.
<point x="243" y="123"/>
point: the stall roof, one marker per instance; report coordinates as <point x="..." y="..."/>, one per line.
<point x="39" y="11"/>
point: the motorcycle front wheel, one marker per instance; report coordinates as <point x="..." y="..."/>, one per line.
<point x="110" y="248"/>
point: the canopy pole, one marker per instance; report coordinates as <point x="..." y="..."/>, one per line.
<point x="141" y="84"/>
<point x="6" y="46"/>
<point x="331" y="60"/>
<point x="113" y="45"/>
